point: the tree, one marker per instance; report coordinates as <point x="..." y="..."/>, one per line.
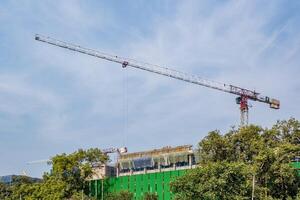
<point x="4" y="191"/>
<point x="266" y="153"/>
<point x="124" y="195"/>
<point x="213" y="181"/>
<point x="19" y="186"/>
<point x="150" y="196"/>
<point x="289" y="130"/>
<point x="214" y="147"/>
<point x="67" y="179"/>
<point x="74" y="169"/>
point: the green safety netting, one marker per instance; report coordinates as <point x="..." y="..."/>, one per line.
<point x="161" y="160"/>
<point x="178" y="157"/>
<point x="142" y="162"/>
<point x="126" y="164"/>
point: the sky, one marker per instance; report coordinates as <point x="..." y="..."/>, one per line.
<point x="54" y="101"/>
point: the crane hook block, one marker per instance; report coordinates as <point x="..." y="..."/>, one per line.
<point x="124" y="64"/>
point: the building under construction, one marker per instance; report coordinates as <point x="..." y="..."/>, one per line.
<point x="146" y="172"/>
<point x="143" y="172"/>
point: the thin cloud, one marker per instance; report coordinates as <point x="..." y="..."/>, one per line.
<point x="73" y="100"/>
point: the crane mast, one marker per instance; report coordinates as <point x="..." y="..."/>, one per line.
<point x="243" y="94"/>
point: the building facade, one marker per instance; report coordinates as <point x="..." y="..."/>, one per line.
<point x="143" y="172"/>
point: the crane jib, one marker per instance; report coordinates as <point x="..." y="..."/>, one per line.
<point x="242" y="92"/>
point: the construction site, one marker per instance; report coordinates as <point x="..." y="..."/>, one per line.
<point x="143" y="172"/>
<point x="152" y="171"/>
<point x="149" y="100"/>
<point x="146" y="172"/>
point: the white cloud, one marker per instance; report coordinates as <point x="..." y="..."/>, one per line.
<point x="20" y="97"/>
<point x="233" y="43"/>
<point x="81" y="101"/>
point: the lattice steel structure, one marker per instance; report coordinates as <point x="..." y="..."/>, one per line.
<point x="243" y="94"/>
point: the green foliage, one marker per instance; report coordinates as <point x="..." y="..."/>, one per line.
<point x="249" y="151"/>
<point x="67" y="179"/>
<point x="81" y="196"/>
<point x="215" y="180"/>
<point x="75" y="168"/>
<point x="150" y="196"/>
<point x="5" y="191"/>
<point x="124" y="195"/>
<point x="228" y="164"/>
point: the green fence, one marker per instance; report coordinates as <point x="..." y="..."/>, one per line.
<point x="158" y="183"/>
<point x="296" y="165"/>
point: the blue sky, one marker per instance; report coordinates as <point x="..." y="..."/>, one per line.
<point x="54" y="101"/>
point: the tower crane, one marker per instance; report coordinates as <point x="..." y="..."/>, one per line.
<point x="121" y="150"/>
<point x="243" y="94"/>
<point x="110" y="150"/>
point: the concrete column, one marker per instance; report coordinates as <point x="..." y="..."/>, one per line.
<point x="159" y="167"/>
<point x="117" y="170"/>
<point x="190" y="160"/>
